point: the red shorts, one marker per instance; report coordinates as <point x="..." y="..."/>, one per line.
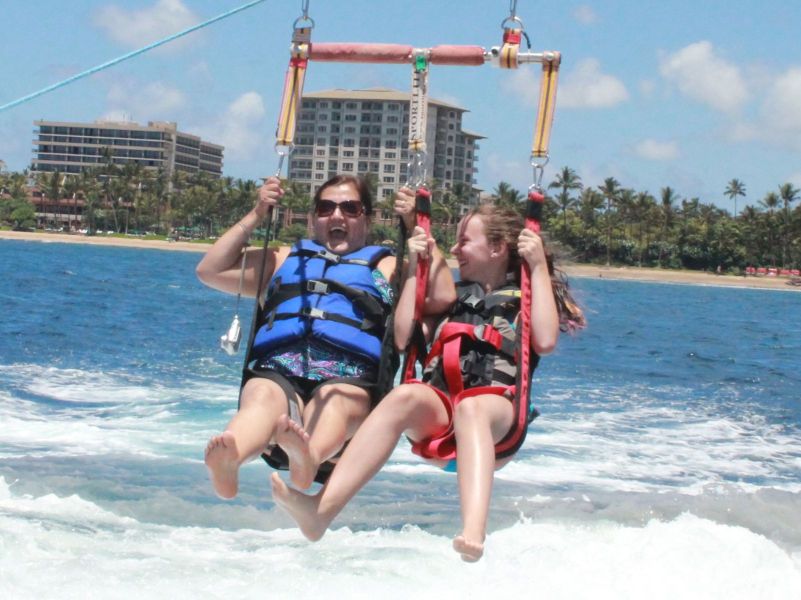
<point x="443" y="446"/>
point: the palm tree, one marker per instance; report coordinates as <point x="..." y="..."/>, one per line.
<point x="642" y="207"/>
<point x="72" y="185"/>
<point x="610" y="190"/>
<point x="734" y="189"/>
<point x="788" y="195"/>
<point x="506" y="195"/>
<point x="295" y="200"/>
<point x="566" y="180"/>
<point x="667" y="197"/>
<point x="770" y="202"/>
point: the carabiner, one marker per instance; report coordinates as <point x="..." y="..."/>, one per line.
<point x="539" y="170"/>
<point x="281" y="155"/>
<point x="416" y="167"/>
<point x="304" y="18"/>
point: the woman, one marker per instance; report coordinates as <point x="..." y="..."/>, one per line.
<point x="319" y="344"/>
<point x="489" y="247"/>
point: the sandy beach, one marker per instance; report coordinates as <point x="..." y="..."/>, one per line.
<point x="573" y="270"/>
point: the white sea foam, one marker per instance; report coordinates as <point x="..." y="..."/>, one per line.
<point x="72" y="412"/>
<point x="629" y="442"/>
<point x="70" y="548"/>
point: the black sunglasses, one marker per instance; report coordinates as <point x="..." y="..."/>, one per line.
<point x="349" y="208"/>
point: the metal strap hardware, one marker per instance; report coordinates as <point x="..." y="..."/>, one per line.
<point x="316" y="287"/>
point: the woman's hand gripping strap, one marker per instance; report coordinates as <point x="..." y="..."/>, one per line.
<point x="522" y="401"/>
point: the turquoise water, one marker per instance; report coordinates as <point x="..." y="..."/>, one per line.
<point x="667" y="459"/>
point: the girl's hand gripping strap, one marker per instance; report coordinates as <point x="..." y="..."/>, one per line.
<point x="416" y="348"/>
<point x="522" y="401"/>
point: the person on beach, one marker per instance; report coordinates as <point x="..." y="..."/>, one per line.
<point x="318" y="348"/>
<point x="491" y="243"/>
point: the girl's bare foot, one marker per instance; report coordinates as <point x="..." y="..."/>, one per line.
<point x="301" y="507"/>
<point x="294" y="440"/>
<point x="222" y="460"/>
<point x="470" y="551"/>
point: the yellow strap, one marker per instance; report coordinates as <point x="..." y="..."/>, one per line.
<point x="293" y="89"/>
<point x="542" y="132"/>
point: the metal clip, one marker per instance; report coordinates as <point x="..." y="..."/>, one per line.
<point x="304" y="18"/>
<point x="330" y="256"/>
<point x="312" y="312"/>
<point x="539" y="170"/>
<point x="316" y="287"/>
<point x="282" y="154"/>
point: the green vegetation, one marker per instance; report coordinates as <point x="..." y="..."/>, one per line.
<point x="609" y="224"/>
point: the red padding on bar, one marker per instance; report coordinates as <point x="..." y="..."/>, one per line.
<point x="457" y="55"/>
<point x="393" y="53"/>
<point x="361" y="53"/>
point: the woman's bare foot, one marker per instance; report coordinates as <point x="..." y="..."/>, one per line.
<point x="294" y="440"/>
<point x="470" y="551"/>
<point x="301" y="507"/>
<point x="222" y="460"/>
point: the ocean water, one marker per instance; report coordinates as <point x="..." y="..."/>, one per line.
<point x="666" y="462"/>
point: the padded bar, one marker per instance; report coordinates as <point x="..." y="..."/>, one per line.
<point x="394" y="53"/>
<point x="360" y="53"/>
<point x="457" y="55"/>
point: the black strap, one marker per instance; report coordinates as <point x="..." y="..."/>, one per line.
<point x="371" y="307"/>
<point x="311" y="312"/>
<point x="257" y="309"/>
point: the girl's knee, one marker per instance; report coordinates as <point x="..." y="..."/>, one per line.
<point x="404" y="398"/>
<point x="469" y="408"/>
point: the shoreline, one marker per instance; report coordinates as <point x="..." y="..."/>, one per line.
<point x="651" y="275"/>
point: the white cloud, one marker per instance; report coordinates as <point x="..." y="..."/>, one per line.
<point x="137" y="28"/>
<point x="782" y="106"/>
<point x="778" y="119"/>
<point x="588" y="87"/>
<point x="239" y="128"/>
<point x="130" y="100"/>
<point x="699" y="73"/>
<point x="656" y="150"/>
<point x="585" y="15"/>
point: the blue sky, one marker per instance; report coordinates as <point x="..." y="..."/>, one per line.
<point x="679" y="93"/>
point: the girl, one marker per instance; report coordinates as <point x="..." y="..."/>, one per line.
<point x="491" y="242"/>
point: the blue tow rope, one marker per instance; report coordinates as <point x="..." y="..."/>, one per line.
<point x="124" y="57"/>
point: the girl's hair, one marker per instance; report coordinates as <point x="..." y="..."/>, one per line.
<point x="503" y="224"/>
<point x="358" y="182"/>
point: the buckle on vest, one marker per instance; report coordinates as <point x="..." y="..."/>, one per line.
<point x="316" y="287"/>
<point x="312" y="312"/>
<point x="329" y="256"/>
<point x="490" y="335"/>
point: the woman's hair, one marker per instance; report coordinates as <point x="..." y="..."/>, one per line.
<point x="358" y="182"/>
<point x="503" y="224"/>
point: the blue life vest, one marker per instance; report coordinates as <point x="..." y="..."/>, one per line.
<point x="330" y="297"/>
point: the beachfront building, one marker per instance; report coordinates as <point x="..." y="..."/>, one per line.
<point x="366" y="132"/>
<point x="75" y="147"/>
<point x="69" y="148"/>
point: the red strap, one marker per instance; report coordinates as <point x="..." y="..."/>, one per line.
<point x="512" y="36"/>
<point x="511" y="442"/>
<point x="451" y="365"/>
<point x="423" y="204"/>
<point x="423" y="219"/>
